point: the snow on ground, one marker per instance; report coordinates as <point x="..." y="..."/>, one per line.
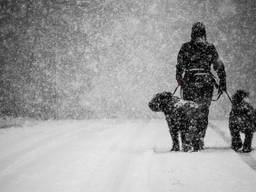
<point x="118" y="155"/>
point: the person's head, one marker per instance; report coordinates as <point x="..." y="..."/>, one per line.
<point x="198" y="31"/>
<point x="239" y="96"/>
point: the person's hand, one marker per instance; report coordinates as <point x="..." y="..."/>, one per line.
<point x="180" y="82"/>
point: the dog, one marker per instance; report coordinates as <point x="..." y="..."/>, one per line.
<point x="181" y="119"/>
<point x="242" y="119"/>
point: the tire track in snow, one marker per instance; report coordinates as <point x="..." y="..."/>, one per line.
<point x="246" y="157"/>
<point x="116" y="159"/>
<point x="36" y="150"/>
<point x="28" y="145"/>
<point x="35" y="140"/>
<point x="31" y="141"/>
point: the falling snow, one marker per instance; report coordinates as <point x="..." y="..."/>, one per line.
<point x="76" y="77"/>
<point x="106" y="58"/>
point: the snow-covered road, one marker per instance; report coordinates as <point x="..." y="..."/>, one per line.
<point x="118" y="156"/>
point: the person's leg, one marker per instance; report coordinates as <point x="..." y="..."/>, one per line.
<point x="192" y="93"/>
<point x="204" y="99"/>
<point x="186" y="136"/>
<point x="195" y="134"/>
<point x="203" y="124"/>
<point x="247" y="142"/>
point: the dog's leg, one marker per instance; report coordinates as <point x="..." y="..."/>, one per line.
<point x="202" y="132"/>
<point x="247" y="142"/>
<point x="195" y="140"/>
<point x="202" y="123"/>
<point x="175" y="139"/>
<point x="236" y="142"/>
<point x="194" y="133"/>
<point x="174" y="132"/>
<point x="186" y="137"/>
<point x="186" y="141"/>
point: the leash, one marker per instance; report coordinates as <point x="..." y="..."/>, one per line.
<point x="218" y="87"/>
<point x="221" y="94"/>
<point x="229" y="97"/>
<point x="175" y="89"/>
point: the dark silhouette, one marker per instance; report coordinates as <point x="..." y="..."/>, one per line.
<point x="242" y="119"/>
<point x="193" y="74"/>
<point x="180" y="115"/>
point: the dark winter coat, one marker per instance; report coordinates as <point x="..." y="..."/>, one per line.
<point x="195" y="60"/>
<point x="193" y="69"/>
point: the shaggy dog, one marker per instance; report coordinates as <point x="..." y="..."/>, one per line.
<point x="181" y="119"/>
<point x="241" y="120"/>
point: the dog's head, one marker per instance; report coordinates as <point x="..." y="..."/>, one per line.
<point x="160" y="101"/>
<point x="239" y="96"/>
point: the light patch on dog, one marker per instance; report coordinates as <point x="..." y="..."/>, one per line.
<point x="246" y="99"/>
<point x="182" y="103"/>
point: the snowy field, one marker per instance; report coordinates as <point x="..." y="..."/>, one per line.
<point x="117" y="156"/>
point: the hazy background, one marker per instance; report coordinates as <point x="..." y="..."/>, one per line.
<point x="106" y="58"/>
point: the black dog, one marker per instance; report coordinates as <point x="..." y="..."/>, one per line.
<point x="241" y="120"/>
<point x="181" y="119"/>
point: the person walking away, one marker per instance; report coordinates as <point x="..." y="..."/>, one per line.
<point x="193" y="74"/>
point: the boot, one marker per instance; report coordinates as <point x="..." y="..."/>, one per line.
<point x="196" y="147"/>
<point x="201" y="144"/>
<point x="246" y="150"/>
<point x="236" y="143"/>
<point x="175" y="147"/>
<point x="247" y="143"/>
<point x="186" y="147"/>
<point x="196" y="144"/>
